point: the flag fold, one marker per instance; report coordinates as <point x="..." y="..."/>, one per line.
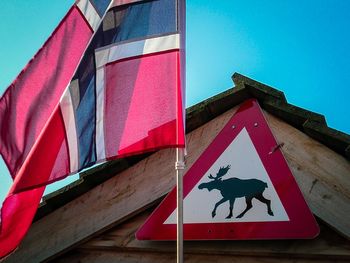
<point x="108" y="83"/>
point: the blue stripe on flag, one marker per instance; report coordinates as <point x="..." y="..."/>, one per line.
<point x="85" y="115"/>
<point x="100" y="5"/>
<point x="86" y="109"/>
<point x="144" y="19"/>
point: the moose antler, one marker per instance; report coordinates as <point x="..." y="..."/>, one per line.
<point x="222" y="171"/>
<point x="211" y="177"/>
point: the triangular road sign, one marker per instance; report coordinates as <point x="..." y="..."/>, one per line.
<point x="239" y="188"/>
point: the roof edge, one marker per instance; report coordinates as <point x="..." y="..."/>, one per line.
<point x="311" y="123"/>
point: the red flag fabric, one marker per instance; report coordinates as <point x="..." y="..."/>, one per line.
<point x="32" y="134"/>
<point x="90" y="94"/>
<point x="29" y="101"/>
<point x="20" y="205"/>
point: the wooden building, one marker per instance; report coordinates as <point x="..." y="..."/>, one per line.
<point x="95" y="218"/>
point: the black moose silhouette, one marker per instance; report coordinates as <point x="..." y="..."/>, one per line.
<point x="233" y="188"/>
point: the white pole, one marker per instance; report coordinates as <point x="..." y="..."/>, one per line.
<point x="179" y="166"/>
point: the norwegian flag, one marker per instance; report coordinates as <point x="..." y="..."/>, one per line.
<point x="94" y="91"/>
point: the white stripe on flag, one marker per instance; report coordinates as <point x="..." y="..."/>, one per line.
<point x="124" y="50"/>
<point x="90" y="13"/>
<point x="100" y="105"/>
<point x="71" y="132"/>
<point x="124" y="2"/>
<point x="117" y="52"/>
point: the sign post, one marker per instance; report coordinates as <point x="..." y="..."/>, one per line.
<point x="179" y="166"/>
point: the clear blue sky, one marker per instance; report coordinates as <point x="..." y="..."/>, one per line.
<point x="301" y="47"/>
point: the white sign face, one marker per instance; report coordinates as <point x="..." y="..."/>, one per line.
<point x="245" y="164"/>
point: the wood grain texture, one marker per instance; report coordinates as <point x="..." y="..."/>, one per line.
<point x="122" y="238"/>
<point x="151" y="257"/>
<point x="322" y="175"/>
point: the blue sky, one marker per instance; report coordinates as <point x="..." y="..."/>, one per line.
<point x="301" y="47"/>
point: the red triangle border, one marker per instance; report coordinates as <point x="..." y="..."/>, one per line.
<point x="302" y="224"/>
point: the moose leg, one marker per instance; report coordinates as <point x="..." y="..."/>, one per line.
<point x="232" y="201"/>
<point x="223" y="200"/>
<point x="262" y="199"/>
<point x="248" y="201"/>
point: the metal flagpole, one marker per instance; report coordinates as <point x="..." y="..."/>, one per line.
<point x="180" y="152"/>
<point x="179" y="166"/>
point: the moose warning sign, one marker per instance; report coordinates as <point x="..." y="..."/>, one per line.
<point x="239" y="188"/>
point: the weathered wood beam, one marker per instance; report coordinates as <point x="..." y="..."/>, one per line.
<point x="322" y="175"/>
<point x="126" y="256"/>
<point x="122" y="238"/>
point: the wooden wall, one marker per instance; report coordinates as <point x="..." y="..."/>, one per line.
<point x="76" y="228"/>
<point x="119" y="245"/>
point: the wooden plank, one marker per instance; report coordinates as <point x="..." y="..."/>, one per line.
<point x="323" y="176"/>
<point x="151" y="257"/>
<point x="327" y="245"/>
<point x="113" y="201"/>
